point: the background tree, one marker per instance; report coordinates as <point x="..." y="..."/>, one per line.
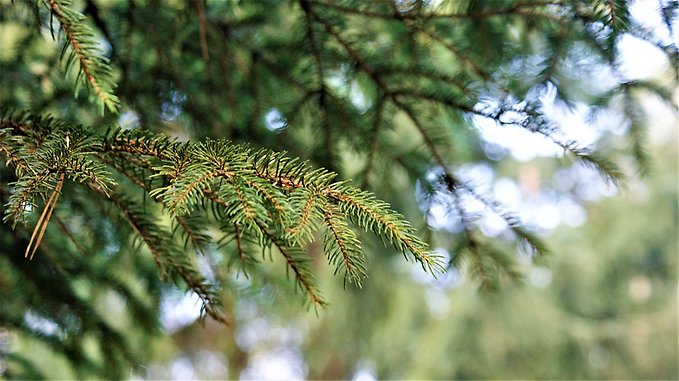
<point x="391" y="94"/>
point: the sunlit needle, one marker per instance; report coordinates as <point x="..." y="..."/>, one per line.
<point x="44" y="219"/>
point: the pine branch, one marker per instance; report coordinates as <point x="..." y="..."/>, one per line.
<point x="193" y="226"/>
<point x="616" y="14"/>
<point x="41" y="280"/>
<point x="636" y="129"/>
<point x="421" y="69"/>
<point x="172" y="263"/>
<point x="243" y="245"/>
<point x="298" y="262"/>
<point x="262" y="196"/>
<point x="374" y="215"/>
<point x="343" y="247"/>
<point x="94" y="67"/>
<point x="306" y="222"/>
<point x="295" y="257"/>
<point x="529" y="119"/>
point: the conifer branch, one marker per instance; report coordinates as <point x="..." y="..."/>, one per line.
<point x="451" y="181"/>
<point x="193" y="228"/>
<point x="616" y="13"/>
<point x="454" y="50"/>
<point x="296" y="259"/>
<point x="302" y="230"/>
<point x="240" y="241"/>
<point x="374" y="215"/>
<point x="537" y="248"/>
<point x="322" y="90"/>
<point x="172" y="264"/>
<point x="94" y="67"/>
<point x="298" y="262"/>
<point x="261" y="194"/>
<point x="343" y="246"/>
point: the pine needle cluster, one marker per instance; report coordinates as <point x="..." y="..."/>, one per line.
<point x="250" y="195"/>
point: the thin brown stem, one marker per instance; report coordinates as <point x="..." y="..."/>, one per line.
<point x="44" y="219"/>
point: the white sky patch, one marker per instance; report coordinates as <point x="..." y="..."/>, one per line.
<point x="349" y="89"/>
<point x="365" y="372"/>
<point x="128" y="120"/>
<point x="647" y="13"/>
<point x="663" y="122"/>
<point x="275" y="348"/>
<point x="640" y="59"/>
<point x="169" y="111"/>
<point x="182" y="369"/>
<point x="211" y="364"/>
<point x="446" y="281"/>
<point x="572" y="213"/>
<point x="441" y="217"/>
<point x="572" y="121"/>
<point x="364" y="375"/>
<point x="522" y="144"/>
<point x="41" y="324"/>
<point x="282" y="363"/>
<point x="545" y="215"/>
<point x="589" y="184"/>
<point x="358" y="98"/>
<point x="274" y="120"/>
<point x="178" y="310"/>
<point x="507" y="192"/>
<point x="479" y="174"/>
<point x="493" y="225"/>
<point x="249" y="335"/>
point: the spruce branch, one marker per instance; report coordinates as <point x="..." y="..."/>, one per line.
<point x="306" y="223"/>
<point x="94" y="68"/>
<point x="375" y="215"/>
<point x="430" y="142"/>
<point x="193" y="226"/>
<point x="528" y="118"/>
<point x="296" y="259"/>
<point x="243" y="245"/>
<point x="342" y="246"/>
<point x="298" y="262"/>
<point x="374" y="140"/>
<point x="172" y="263"/>
<point x="261" y="197"/>
<point x="615" y="13"/>
<point x="536" y="247"/>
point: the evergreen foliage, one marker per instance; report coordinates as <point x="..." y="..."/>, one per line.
<point x="347" y="80"/>
<point x="94" y="69"/>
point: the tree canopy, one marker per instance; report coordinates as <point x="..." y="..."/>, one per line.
<point x="222" y="146"/>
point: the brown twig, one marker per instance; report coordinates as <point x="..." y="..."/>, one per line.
<point x="44" y="220"/>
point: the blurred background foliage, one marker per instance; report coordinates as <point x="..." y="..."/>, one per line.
<point x="602" y="305"/>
